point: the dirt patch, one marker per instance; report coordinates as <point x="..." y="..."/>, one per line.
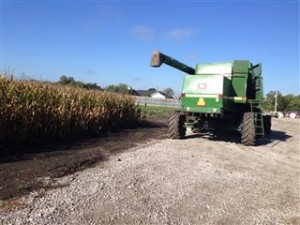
<point x="19" y="173"/>
<point x="194" y="180"/>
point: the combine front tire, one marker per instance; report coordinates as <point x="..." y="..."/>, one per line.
<point x="248" y="136"/>
<point x="176" y="126"/>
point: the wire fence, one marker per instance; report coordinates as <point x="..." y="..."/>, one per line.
<point x="172" y="103"/>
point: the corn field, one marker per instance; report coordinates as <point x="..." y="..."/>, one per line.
<point x="34" y="112"/>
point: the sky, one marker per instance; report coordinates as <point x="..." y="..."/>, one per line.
<point x="111" y="42"/>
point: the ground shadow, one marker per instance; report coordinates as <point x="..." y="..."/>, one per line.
<point x="275" y="135"/>
<point x="234" y="137"/>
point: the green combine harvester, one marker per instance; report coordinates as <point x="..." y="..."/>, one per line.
<point x="219" y="96"/>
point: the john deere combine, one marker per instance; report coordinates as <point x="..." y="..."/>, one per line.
<point x="219" y="96"/>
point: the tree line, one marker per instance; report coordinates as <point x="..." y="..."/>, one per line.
<point x="285" y="103"/>
<point x="64" y="80"/>
<point x="120" y="88"/>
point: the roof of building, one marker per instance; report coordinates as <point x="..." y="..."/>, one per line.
<point x="148" y="93"/>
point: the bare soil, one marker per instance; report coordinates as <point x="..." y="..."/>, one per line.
<point x="19" y="173"/>
<point x="161" y="181"/>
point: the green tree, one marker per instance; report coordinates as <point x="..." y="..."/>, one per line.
<point x="269" y="100"/>
<point x="169" y="92"/>
<point x="64" y="80"/>
<point x="123" y="88"/>
<point x="152" y="89"/>
<point x="120" y="88"/>
<point x="112" y="88"/>
<point x="285" y="103"/>
<point x="295" y="103"/>
<point x="91" y="86"/>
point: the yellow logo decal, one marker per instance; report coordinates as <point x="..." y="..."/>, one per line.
<point x="201" y="102"/>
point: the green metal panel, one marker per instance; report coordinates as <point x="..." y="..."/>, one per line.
<point x="239" y="85"/>
<point x="239" y="80"/>
<point x="214" y="68"/>
<point x="209" y="88"/>
<point x="204" y="84"/>
<point x="256" y="72"/>
<point x="240" y="66"/>
<point x="212" y="104"/>
<point x="226" y="87"/>
<point x="259" y="89"/>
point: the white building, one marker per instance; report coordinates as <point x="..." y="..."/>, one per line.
<point x="158" y="95"/>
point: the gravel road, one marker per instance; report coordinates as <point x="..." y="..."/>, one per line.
<point x="190" y="181"/>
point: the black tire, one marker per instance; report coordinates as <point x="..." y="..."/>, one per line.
<point x="248" y="136"/>
<point x="176" y="126"/>
<point x="267" y="124"/>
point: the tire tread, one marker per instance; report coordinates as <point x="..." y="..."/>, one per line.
<point x="248" y="136"/>
<point x="176" y="129"/>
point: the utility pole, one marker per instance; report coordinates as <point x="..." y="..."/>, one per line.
<point x="276" y="94"/>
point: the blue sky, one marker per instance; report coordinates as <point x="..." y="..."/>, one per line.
<point x="110" y="42"/>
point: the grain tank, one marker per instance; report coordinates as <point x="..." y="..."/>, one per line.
<point x="219" y="96"/>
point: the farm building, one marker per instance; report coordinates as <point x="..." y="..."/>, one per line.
<point x="152" y="94"/>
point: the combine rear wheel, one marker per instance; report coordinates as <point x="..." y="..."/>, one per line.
<point x="176" y="126"/>
<point x="267" y="124"/>
<point x="248" y="136"/>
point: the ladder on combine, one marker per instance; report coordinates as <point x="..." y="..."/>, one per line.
<point x="255" y="106"/>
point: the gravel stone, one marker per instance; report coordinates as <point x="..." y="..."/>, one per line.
<point x="189" y="181"/>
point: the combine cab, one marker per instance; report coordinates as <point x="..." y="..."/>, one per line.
<point x="219" y="96"/>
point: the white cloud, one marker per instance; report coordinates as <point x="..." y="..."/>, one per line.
<point x="142" y="32"/>
<point x="179" y="34"/>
